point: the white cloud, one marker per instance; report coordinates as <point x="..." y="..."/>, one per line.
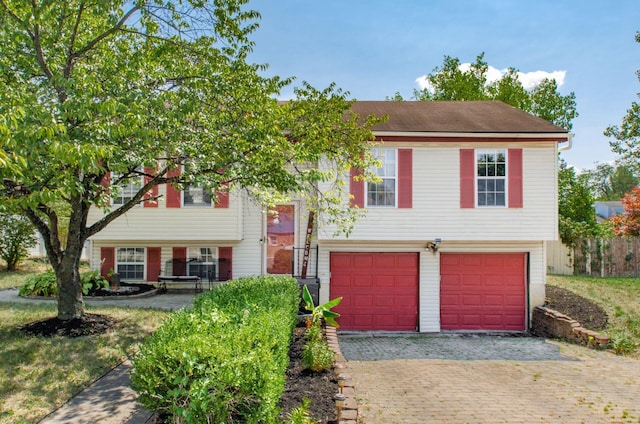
<point x="528" y="79"/>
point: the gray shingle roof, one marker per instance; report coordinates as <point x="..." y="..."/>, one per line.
<point x="454" y="117"/>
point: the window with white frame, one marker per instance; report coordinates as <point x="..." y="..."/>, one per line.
<point x="130" y="263"/>
<point x="491" y="177"/>
<point x="202" y="261"/>
<point x="383" y="193"/>
<point x="126" y="189"/>
<point x="196" y="196"/>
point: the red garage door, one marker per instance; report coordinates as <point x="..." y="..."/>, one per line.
<point x="485" y="291"/>
<point x="379" y="290"/>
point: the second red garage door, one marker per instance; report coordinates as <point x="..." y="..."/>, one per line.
<point x="379" y="290"/>
<point x="483" y="291"/>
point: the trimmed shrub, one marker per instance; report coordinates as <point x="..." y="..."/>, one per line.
<point x="223" y="360"/>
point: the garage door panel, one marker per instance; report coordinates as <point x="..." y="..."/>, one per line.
<point x="382" y="289"/>
<point x="362" y="262"/>
<point x="384" y="301"/>
<point x="483" y="291"/>
<point x="362" y="300"/>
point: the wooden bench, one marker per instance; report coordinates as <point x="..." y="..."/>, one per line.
<point x="180" y="279"/>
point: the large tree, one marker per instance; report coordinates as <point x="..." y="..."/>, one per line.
<point x="137" y="89"/>
<point x="453" y="82"/>
<point x="628" y="223"/>
<point x="613" y="181"/>
<point x="627" y="135"/>
<point x="576" y="215"/>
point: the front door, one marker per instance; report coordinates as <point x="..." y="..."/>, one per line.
<point x="281" y="224"/>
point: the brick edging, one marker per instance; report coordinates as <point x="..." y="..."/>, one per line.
<point x="349" y="413"/>
<point x="548" y="322"/>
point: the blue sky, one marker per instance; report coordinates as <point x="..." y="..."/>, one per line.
<point x="375" y="48"/>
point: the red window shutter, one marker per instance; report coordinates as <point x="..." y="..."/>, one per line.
<point x="153" y="263"/>
<point x="107" y="258"/>
<point x="405" y="178"/>
<point x="467" y="178"/>
<point x="150" y="194"/>
<point x="106" y="180"/>
<point x="225" y="263"/>
<point x="173" y="194"/>
<point x="179" y="256"/>
<point x="356" y="189"/>
<point x="222" y="196"/>
<point x="514" y="169"/>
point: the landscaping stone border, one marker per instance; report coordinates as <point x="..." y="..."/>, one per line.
<point x="349" y="413"/>
<point x="550" y="323"/>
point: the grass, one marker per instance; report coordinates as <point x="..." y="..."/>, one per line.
<point x="39" y="374"/>
<point x="25" y="270"/>
<point x="620" y="298"/>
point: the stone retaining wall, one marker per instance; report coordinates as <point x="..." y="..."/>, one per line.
<point x="550" y="323"/>
<point x="349" y="412"/>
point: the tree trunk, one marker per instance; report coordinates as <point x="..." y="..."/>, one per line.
<point x="70" y="304"/>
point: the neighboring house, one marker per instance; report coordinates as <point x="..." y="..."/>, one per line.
<point x="606" y="210"/>
<point x="453" y="239"/>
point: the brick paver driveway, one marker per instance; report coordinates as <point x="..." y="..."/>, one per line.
<point x="488" y="379"/>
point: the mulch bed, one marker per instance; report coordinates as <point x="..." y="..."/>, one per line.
<point x="587" y="313"/>
<point x="319" y="387"/>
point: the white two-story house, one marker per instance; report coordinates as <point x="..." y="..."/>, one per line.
<point x="453" y="237"/>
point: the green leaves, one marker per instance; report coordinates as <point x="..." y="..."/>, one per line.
<point x="450" y="82"/>
<point x="321" y="311"/>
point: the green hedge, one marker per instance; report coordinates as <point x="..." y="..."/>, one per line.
<point x="224" y="360"/>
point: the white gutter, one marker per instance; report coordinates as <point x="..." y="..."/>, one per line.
<point x="472" y="135"/>
<point x="567" y="146"/>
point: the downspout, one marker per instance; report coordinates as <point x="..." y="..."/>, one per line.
<point x="568" y="145"/>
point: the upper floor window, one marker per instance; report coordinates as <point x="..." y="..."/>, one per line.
<point x="126" y="189"/>
<point x="383" y="193"/>
<point x="196" y="196"/>
<point x="491" y="177"/>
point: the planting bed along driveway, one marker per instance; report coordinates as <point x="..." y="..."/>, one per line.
<point x="481" y="379"/>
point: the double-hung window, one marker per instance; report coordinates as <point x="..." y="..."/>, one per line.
<point x="130" y="263"/>
<point x="383" y="193"/>
<point x="201" y="262"/>
<point x="491" y="177"/>
<point x="126" y="189"/>
<point x="196" y="196"/>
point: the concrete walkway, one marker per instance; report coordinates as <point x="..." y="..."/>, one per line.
<point x="108" y="400"/>
<point x="488" y="379"/>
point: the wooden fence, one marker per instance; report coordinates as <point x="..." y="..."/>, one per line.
<point x="610" y="257"/>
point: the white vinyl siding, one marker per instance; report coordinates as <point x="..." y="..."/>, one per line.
<point x="162" y="223"/>
<point x="436" y="208"/>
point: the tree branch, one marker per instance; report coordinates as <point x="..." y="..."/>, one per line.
<point x="105" y="34"/>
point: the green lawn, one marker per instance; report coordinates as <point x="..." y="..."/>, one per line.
<point x="25" y="270"/>
<point x="39" y="374"/>
<point x="620" y="298"/>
